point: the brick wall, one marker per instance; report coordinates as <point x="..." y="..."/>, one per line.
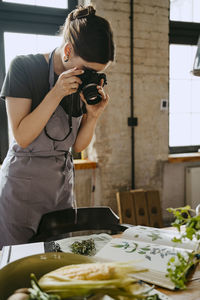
<point x="112" y="142"/>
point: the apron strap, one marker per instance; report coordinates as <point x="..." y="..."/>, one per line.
<point x="51" y="84"/>
<point x="51" y="70"/>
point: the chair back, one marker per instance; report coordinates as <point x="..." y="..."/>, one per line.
<point x="59" y="224"/>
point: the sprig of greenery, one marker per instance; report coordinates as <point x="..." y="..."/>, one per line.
<point x="153" y="297"/>
<point x="35" y="292"/>
<point x="179" y="266"/>
<point x="183" y="216"/>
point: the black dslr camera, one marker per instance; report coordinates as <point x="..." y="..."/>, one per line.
<point x="90" y="79"/>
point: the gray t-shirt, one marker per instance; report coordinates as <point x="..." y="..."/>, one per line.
<point x="28" y="77"/>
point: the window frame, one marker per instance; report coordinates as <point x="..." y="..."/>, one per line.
<point x="31" y="19"/>
<point x="184" y="33"/>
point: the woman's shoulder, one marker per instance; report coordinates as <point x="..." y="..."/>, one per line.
<point x="29" y="60"/>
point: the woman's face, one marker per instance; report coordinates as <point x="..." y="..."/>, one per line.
<point x="82" y="64"/>
<point x="78" y="62"/>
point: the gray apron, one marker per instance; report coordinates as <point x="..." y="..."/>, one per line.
<point x="38" y="179"/>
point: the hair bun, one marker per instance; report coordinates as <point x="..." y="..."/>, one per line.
<point x="82" y="12"/>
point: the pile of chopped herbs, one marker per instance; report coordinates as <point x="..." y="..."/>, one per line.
<point x="85" y="247"/>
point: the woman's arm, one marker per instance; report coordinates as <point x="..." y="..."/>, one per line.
<point x="26" y="126"/>
<point x="89" y="121"/>
<point x="85" y="133"/>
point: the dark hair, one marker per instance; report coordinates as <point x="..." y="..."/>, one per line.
<point x="90" y="35"/>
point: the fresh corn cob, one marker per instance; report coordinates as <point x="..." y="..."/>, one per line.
<point x="94" y="278"/>
<point x="92" y="271"/>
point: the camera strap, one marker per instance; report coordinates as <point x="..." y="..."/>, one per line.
<point x="51" y="84"/>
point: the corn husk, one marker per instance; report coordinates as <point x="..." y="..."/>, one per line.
<point x="84" y="280"/>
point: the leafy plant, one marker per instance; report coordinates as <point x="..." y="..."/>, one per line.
<point x="183" y="216"/>
<point x="179" y="266"/>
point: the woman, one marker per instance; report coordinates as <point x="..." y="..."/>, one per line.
<point x="48" y="115"/>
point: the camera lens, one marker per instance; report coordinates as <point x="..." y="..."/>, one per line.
<point x="91" y="94"/>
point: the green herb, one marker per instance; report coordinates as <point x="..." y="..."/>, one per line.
<point x="37" y="294"/>
<point x="178" y="269"/>
<point x="183" y="216"/>
<point x="86" y="247"/>
<point x="153" y="297"/>
<point x="179" y="266"/>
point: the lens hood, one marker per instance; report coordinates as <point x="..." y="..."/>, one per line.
<point x="91" y="94"/>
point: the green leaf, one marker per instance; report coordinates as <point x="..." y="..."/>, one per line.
<point x="118" y="246"/>
<point x="145" y="248"/>
<point x="176" y="240"/>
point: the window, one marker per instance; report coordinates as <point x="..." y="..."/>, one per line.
<point x="185" y="10"/>
<point x="27" y="44"/>
<point x="48" y="3"/>
<point x="184" y="104"/>
<point x="33" y="28"/>
<point x="184" y="97"/>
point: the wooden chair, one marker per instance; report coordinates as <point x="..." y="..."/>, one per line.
<point x="140" y="207"/>
<point x="59" y="224"/>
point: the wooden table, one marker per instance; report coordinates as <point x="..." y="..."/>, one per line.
<point x="193" y="287"/>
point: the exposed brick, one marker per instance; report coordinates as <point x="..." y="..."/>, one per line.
<point x="112" y="143"/>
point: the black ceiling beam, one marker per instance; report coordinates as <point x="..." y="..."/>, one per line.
<point x="32" y="19"/>
<point x="186" y="33"/>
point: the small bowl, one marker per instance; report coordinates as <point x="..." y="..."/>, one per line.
<point x="17" y="274"/>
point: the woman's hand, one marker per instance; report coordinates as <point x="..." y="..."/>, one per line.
<point x="68" y="82"/>
<point x="96" y="110"/>
<point x="89" y="120"/>
<point x="21" y="294"/>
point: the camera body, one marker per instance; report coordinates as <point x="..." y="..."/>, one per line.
<point x="90" y="79"/>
